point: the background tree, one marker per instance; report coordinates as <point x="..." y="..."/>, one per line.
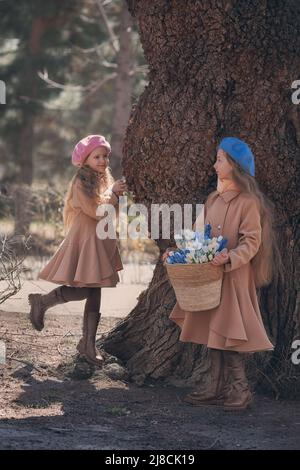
<point x="31" y="30"/>
<point x="217" y="68"/>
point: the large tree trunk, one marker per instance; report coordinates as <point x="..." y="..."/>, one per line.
<point x="123" y="90"/>
<point x="217" y="68"/>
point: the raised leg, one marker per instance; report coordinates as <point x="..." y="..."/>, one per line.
<point x="40" y="303"/>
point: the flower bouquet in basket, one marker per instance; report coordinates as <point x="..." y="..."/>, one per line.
<point x="196" y="281"/>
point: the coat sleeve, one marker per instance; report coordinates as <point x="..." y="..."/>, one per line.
<point x="249" y="236"/>
<point x="87" y="204"/>
<point x="110" y="197"/>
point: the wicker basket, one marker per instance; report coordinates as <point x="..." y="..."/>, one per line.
<point x="196" y="286"/>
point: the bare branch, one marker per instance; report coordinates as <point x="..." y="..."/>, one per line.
<point x="91" y="87"/>
<point x="44" y="76"/>
<point x="11" y="264"/>
<point x="113" y="39"/>
<point x="95" y="86"/>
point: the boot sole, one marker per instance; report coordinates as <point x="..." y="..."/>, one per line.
<point x="91" y="361"/>
<point x="198" y="402"/>
<point x="88" y="358"/>
<point x="238" y="408"/>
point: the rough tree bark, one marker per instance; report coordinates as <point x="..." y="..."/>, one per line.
<point x="217" y="68"/>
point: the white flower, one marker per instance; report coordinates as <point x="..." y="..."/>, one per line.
<point x="189" y="258"/>
<point x="194" y="245"/>
<point x="220" y="238"/>
<point x="210" y="257"/>
<point x="180" y="244"/>
<point x="190" y="245"/>
<point x="189" y="234"/>
<point x="197" y="245"/>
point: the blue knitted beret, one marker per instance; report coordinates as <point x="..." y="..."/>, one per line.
<point x="239" y="152"/>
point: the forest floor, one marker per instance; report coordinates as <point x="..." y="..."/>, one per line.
<point x="48" y="403"/>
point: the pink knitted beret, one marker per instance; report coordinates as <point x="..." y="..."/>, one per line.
<point x="86" y="145"/>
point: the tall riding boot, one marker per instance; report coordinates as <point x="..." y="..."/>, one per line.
<point x="40" y="303"/>
<point x="210" y="391"/>
<point x="87" y="344"/>
<point x="91" y="317"/>
<point x="81" y="346"/>
<point x="238" y="394"/>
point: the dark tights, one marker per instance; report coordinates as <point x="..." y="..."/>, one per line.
<point x="91" y="294"/>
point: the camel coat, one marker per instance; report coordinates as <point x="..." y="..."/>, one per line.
<point x="236" y="324"/>
<point x="82" y="259"/>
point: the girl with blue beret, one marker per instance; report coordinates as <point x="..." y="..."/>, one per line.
<point x="240" y="212"/>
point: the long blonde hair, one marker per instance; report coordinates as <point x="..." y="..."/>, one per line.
<point x="267" y="262"/>
<point x="93" y="185"/>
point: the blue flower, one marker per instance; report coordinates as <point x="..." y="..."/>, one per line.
<point x="179" y="257"/>
<point x="223" y="244"/>
<point x="199" y="236"/>
<point x="207" y="231"/>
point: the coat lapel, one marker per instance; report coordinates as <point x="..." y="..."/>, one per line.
<point x="222" y="203"/>
<point x="229" y="195"/>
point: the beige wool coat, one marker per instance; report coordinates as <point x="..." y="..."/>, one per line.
<point x="236" y="324"/>
<point x="82" y="259"/>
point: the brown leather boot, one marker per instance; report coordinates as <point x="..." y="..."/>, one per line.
<point x="40" y="303"/>
<point x="238" y="394"/>
<point x="211" y="391"/>
<point x="87" y="344"/>
<point x="81" y="346"/>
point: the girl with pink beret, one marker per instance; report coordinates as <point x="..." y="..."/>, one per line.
<point x="83" y="263"/>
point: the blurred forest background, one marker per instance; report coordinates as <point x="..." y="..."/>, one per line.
<point x="71" y="68"/>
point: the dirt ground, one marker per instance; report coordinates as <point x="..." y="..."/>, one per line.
<point x="48" y="403"/>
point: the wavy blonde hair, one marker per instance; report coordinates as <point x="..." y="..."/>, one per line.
<point x="93" y="185"/>
<point x="267" y="262"/>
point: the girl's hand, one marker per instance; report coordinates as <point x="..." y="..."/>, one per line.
<point x="119" y="187"/>
<point x="221" y="258"/>
<point x="166" y="253"/>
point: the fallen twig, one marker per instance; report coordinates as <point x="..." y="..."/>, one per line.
<point x="27" y="363"/>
